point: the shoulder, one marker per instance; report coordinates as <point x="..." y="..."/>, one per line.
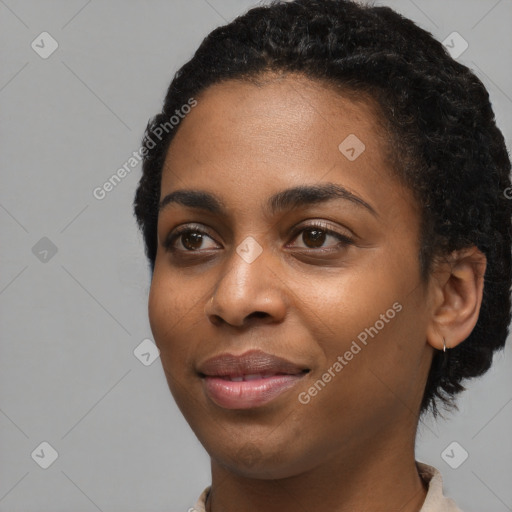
<point x="200" y="505"/>
<point x="435" y="501"/>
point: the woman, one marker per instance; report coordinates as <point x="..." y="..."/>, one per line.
<point x="323" y="209"/>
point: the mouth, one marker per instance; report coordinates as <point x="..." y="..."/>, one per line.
<point x="250" y="380"/>
<point x="253" y="376"/>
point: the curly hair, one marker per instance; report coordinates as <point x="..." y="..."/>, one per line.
<point x="441" y="129"/>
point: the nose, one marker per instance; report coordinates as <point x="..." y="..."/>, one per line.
<point x="247" y="293"/>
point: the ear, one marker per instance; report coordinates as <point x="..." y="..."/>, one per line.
<point x="456" y="291"/>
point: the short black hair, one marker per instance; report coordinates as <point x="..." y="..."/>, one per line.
<point x="442" y="132"/>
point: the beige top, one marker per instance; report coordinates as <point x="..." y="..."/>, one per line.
<point x="434" y="502"/>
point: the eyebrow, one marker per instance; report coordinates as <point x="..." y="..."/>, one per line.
<point x="284" y="200"/>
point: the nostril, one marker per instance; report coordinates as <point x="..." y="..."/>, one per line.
<point x="258" y="314"/>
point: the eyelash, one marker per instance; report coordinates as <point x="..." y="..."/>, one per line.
<point x="343" y="239"/>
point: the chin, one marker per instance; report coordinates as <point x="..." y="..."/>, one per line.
<point x="262" y="461"/>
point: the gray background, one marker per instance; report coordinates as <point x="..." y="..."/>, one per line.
<point x="70" y="322"/>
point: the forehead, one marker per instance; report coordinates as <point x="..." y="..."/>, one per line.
<point x="296" y="105"/>
<point x="285" y="120"/>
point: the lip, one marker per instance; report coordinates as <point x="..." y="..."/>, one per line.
<point x="248" y="380"/>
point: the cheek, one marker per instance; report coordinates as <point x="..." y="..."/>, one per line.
<point x="345" y="306"/>
<point x="171" y="317"/>
<point x="372" y="322"/>
<point x="176" y="311"/>
<point x="170" y="313"/>
<point x="380" y="374"/>
<point x="160" y="311"/>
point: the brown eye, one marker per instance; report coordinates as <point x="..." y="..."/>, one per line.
<point x="320" y="236"/>
<point x="192" y="240"/>
<point x="313" y="237"/>
<point x="189" y="239"/>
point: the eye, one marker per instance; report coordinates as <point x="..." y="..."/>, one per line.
<point x="192" y="238"/>
<point x="315" y="235"/>
<point x="188" y="239"/>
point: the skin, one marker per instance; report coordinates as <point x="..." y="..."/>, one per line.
<point x="352" y="446"/>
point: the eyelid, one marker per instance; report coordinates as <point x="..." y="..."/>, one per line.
<point x="324" y="225"/>
<point x="343" y="239"/>
<point x="185" y="228"/>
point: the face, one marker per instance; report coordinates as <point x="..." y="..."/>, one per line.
<point x="278" y="202"/>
